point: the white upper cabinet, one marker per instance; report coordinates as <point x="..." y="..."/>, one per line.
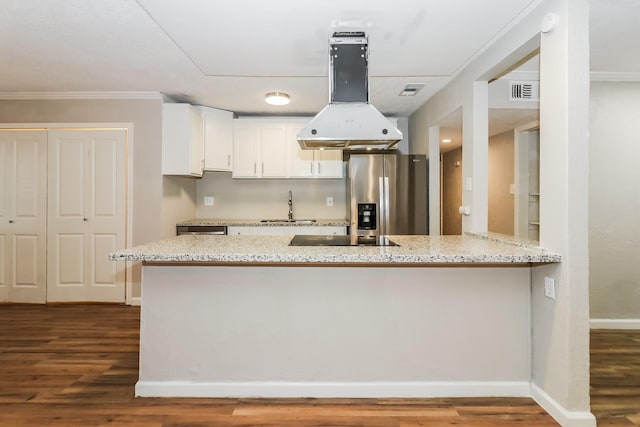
<point x="311" y="163"/>
<point x="259" y="149"/>
<point x="218" y="139"/>
<point x="268" y="148"/>
<point x="182" y="140"/>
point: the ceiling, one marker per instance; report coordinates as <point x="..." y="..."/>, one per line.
<point x="229" y="53"/>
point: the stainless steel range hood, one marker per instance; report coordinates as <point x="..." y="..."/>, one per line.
<point x="349" y="122"/>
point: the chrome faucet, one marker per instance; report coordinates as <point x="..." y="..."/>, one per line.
<point x="290" y="206"/>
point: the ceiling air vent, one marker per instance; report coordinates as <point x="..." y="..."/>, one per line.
<point x="411" y="89"/>
<point x="524" y="91"/>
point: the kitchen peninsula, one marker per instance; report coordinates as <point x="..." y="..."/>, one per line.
<point x="253" y="316"/>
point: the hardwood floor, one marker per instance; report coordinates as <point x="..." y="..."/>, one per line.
<point x="615" y="377"/>
<point x="76" y="365"/>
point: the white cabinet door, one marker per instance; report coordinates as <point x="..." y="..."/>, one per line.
<point x="246" y="151"/>
<point x="274" y="151"/>
<point x="23" y="216"/>
<point x="301" y="162"/>
<point x="311" y="163"/>
<point x="182" y="140"/>
<point x="256" y="231"/>
<point x="286" y="230"/>
<point x="218" y="139"/>
<point x="329" y="164"/>
<point x="259" y="149"/>
<point x="86" y="215"/>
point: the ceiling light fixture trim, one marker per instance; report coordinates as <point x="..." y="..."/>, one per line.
<point x="277" y="98"/>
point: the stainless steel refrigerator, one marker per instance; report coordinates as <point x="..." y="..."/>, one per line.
<point x="389" y="194"/>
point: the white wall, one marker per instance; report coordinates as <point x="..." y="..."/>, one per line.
<point x="614" y="201"/>
<point x="334" y="331"/>
<point x="267" y="198"/>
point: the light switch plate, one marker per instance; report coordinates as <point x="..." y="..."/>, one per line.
<point x="468" y="184"/>
<point x="329" y="201"/>
<point x="209" y="201"/>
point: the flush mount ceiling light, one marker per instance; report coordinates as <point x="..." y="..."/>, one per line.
<point x="276" y="98"/>
<point x="446" y="140"/>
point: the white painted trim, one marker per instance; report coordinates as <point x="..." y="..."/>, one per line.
<point x="80" y="95"/>
<point x="614" y="323"/>
<point x="563" y="416"/>
<point x="135" y="301"/>
<point x="615" y="77"/>
<point x="522" y="75"/>
<point x="594" y="76"/>
<point x="333" y="389"/>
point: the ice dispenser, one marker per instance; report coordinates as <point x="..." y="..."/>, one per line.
<point x="367" y="216"/>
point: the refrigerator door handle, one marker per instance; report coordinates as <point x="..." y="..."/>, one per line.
<point x="386" y="202"/>
<point x="381" y="209"/>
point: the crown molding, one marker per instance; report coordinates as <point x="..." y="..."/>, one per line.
<point x="79" y="95"/>
<point x="522" y="75"/>
<point x="614" y="77"/>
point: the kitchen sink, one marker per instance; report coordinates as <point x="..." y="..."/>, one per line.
<point x="289" y="221"/>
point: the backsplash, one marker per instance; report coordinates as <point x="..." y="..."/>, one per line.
<point x="267" y="198"/>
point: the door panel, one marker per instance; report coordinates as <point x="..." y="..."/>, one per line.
<point x="105" y="182"/>
<point x="70" y="165"/>
<point x="103" y="273"/>
<point x="87" y="219"/>
<point x="23" y="201"/>
<point x="70" y="254"/>
<point x="3" y="268"/>
<point x="26" y="261"/>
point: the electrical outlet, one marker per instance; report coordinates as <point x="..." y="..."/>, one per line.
<point x="550" y="287"/>
<point x="209" y="201"/>
<point x="329" y="201"/>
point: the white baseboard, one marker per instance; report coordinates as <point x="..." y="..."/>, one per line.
<point x="614" y="323"/>
<point x="135" y="301"/>
<point x="333" y="389"/>
<point x="563" y="416"/>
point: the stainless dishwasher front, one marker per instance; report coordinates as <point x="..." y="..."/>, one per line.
<point x="201" y="229"/>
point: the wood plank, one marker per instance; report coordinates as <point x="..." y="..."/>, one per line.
<point x="77" y="364"/>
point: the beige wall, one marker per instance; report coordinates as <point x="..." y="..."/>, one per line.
<point x="451" y="192"/>
<point x="614" y="201"/>
<point x="178" y="202"/>
<point x="267" y="198"/>
<point x="145" y="149"/>
<point x="501" y="176"/>
<point x="560" y="336"/>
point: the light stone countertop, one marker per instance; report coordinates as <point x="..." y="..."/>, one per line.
<point x="237" y="222"/>
<point x="420" y="250"/>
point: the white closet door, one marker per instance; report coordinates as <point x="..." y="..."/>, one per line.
<point x="23" y="215"/>
<point x="86" y="215"/>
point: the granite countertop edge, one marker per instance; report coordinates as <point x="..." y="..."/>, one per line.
<point x="238" y="222"/>
<point x="276" y="250"/>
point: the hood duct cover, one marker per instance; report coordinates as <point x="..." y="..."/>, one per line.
<point x="349" y="121"/>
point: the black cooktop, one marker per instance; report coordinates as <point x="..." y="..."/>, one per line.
<point x="300" y="240"/>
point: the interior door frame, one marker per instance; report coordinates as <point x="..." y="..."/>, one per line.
<point x="128" y="128"/>
<point x="521" y="177"/>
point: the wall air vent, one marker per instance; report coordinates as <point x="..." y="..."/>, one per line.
<point x="524" y="91"/>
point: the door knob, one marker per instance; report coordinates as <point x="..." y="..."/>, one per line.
<point x="10" y="221"/>
<point x="85" y="219"/>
